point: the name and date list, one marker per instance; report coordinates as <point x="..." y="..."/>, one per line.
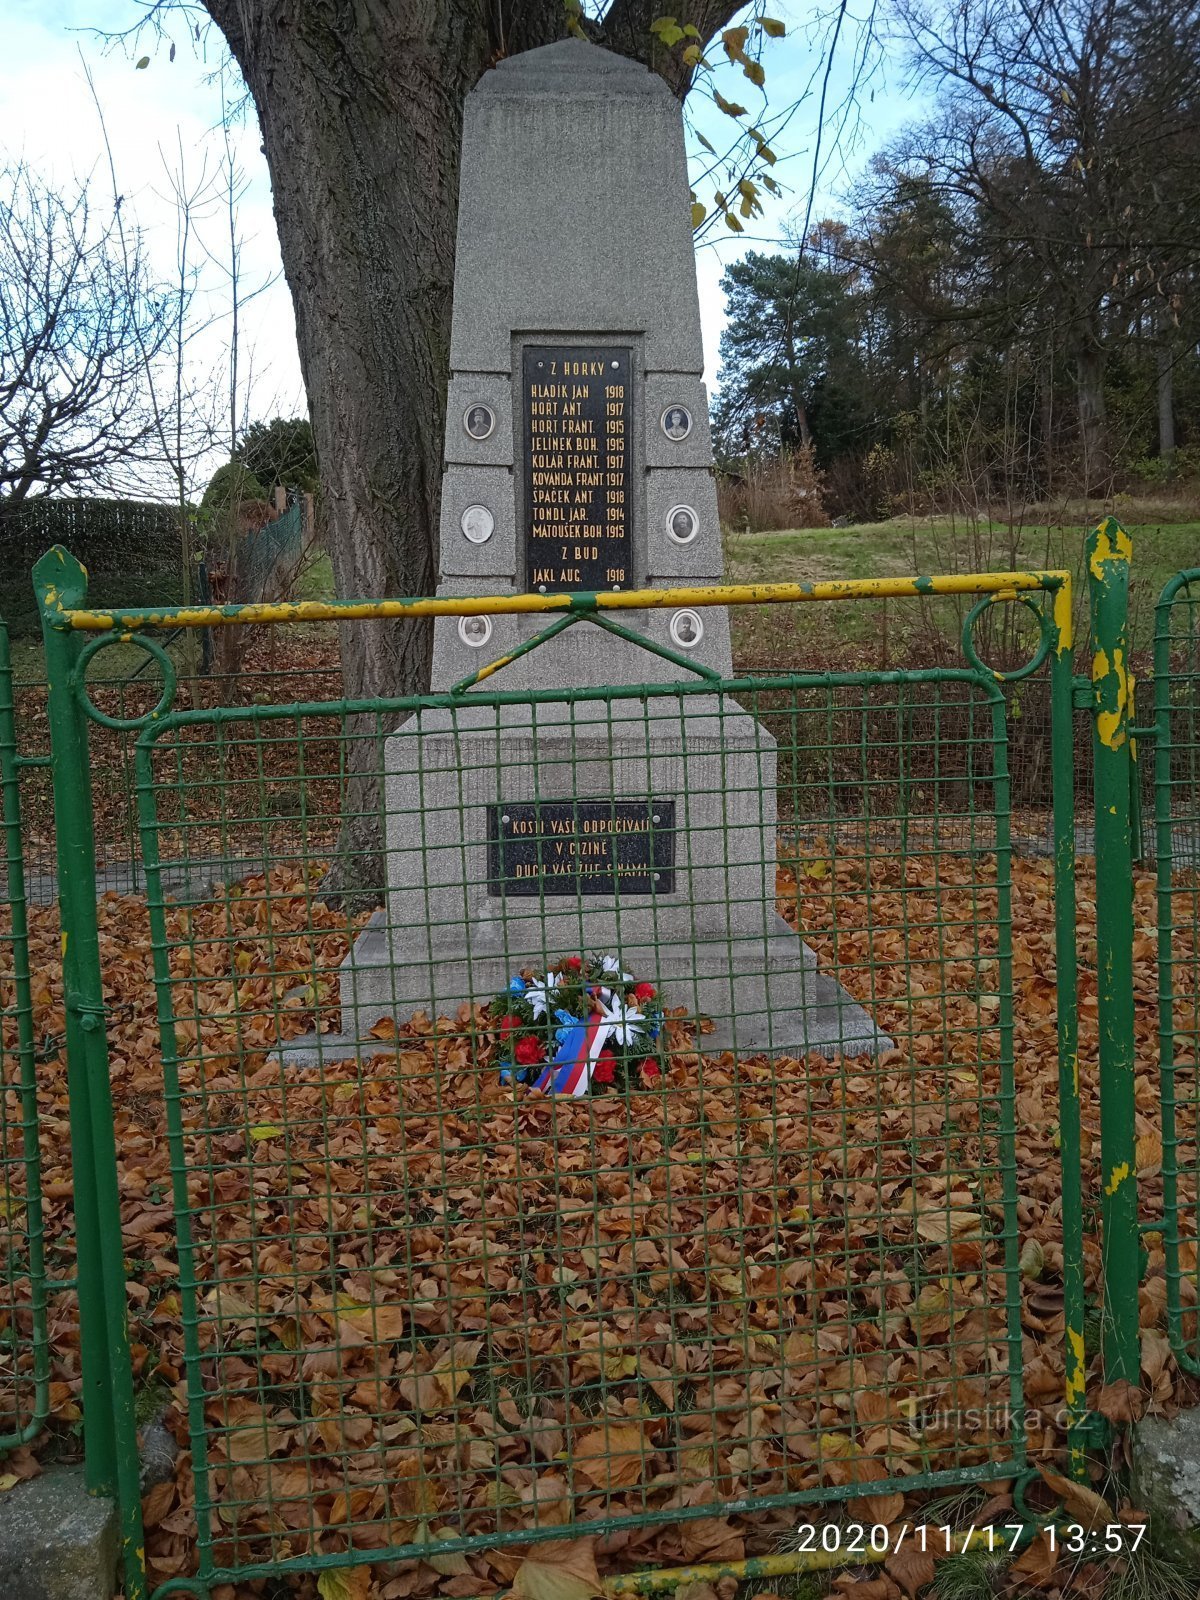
<point x="576" y="431"/>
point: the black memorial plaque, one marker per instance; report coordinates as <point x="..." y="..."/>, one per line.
<point x="569" y="847"/>
<point x="575" y="406"/>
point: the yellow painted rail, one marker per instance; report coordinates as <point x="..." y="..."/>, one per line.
<point x="124" y="620"/>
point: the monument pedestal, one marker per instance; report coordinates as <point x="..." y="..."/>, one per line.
<point x="519" y="835"/>
<point x="762" y="996"/>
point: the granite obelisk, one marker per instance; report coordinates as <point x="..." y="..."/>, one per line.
<point x="578" y="458"/>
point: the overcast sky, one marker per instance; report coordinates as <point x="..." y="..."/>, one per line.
<point x="47" y="116"/>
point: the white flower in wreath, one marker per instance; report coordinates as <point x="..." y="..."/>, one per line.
<point x="611" y="968"/>
<point x="625" y="1023"/>
<point x="540" y="993"/>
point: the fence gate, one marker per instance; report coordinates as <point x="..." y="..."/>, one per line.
<point x="1177" y="798"/>
<point x="429" y="1315"/>
<point x="24" y="1341"/>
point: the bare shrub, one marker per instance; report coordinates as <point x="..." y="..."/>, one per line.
<point x="786" y="491"/>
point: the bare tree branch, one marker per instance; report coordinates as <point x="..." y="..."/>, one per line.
<point x="78" y="313"/>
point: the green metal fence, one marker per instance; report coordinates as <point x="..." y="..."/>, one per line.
<point x="734" y="1285"/>
<point x="1177" y="790"/>
<point x="423" y="1311"/>
<point x="425" y="1308"/>
<point x="24" y="1342"/>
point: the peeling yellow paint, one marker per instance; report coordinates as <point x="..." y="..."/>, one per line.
<point x="1111" y="725"/>
<point x="717" y="594"/>
<point x="1120" y="1175"/>
<point x="63" y="943"/>
<point x="1109" y="542"/>
<point x="1063" y="605"/>
<point x="776" y="1566"/>
<point x="492" y="667"/>
<point x="1076" y="1366"/>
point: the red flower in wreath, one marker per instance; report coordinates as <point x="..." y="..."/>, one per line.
<point x="650" y="1071"/>
<point x="573" y="964"/>
<point x="645" y="991"/>
<point x="602" y="1072"/>
<point x="528" y="1051"/>
<point x="509" y="1025"/>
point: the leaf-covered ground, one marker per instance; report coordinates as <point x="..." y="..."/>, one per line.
<point x="428" y="1306"/>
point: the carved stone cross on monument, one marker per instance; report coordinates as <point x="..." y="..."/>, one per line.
<point x="578" y="458"/>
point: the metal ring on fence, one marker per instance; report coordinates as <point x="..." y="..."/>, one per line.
<point x="1033" y="1519"/>
<point x="124" y="724"/>
<point x="1045" y="642"/>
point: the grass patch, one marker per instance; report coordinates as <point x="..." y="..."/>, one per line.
<point x="1155" y="1571"/>
<point x="115" y="661"/>
<point x="973" y="1575"/>
<point x="903" y="547"/>
<point x="151" y="1400"/>
<point x="315" y="582"/>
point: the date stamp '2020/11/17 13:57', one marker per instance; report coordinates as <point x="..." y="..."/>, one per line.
<point x="1064" y="1538"/>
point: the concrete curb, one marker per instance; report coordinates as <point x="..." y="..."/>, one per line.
<point x="57" y="1542"/>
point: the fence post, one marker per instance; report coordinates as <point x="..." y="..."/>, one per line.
<point x="110" y="1429"/>
<point x="1062" y="748"/>
<point x="1109" y="552"/>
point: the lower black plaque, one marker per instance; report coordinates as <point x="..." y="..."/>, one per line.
<point x="570" y="847"/>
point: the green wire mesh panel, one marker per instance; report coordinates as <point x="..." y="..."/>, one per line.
<point x="1177" y="787"/>
<point x="124" y="685"/>
<point x="24" y="1345"/>
<point x="426" y="1303"/>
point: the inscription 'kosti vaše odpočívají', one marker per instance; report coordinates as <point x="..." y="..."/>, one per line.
<point x="583" y="847"/>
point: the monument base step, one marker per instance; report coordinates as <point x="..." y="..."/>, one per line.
<point x="764" y="995"/>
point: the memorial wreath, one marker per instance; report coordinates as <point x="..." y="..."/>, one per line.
<point x="578" y="1029"/>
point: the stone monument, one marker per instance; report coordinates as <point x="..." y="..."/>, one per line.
<point x="578" y="458"/>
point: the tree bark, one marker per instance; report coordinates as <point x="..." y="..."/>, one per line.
<point x="361" y="107"/>
<point x="1165" y="375"/>
<point x="1048" y="441"/>
<point x="798" y="397"/>
<point x="1093" y="442"/>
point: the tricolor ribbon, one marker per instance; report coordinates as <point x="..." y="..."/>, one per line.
<point x="581" y="1043"/>
<point x="578" y="1052"/>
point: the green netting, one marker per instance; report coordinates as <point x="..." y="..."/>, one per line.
<point x="423" y="1300"/>
<point x="265" y="549"/>
<point x="24" y="1346"/>
<point x="1177" y="790"/>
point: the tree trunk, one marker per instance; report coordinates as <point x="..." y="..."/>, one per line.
<point x="1049" y="443"/>
<point x="361" y="106"/>
<point x="361" y="109"/>
<point x="798" y="398"/>
<point x="1093" y="442"/>
<point x="1165" y="372"/>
